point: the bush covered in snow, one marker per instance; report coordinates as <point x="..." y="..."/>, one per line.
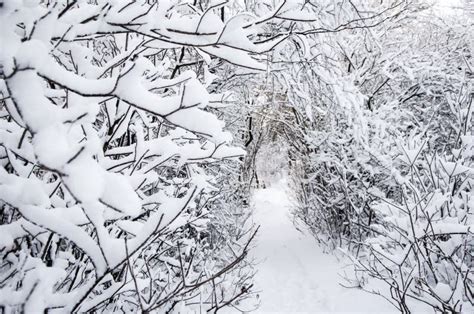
<point x="109" y="189"/>
<point x="391" y="172"/>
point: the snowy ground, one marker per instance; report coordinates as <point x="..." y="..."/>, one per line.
<point x="294" y="274"/>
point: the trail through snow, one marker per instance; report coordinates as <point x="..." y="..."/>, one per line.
<point x="294" y="275"/>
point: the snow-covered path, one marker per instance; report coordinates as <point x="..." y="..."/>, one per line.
<point x="294" y="274"/>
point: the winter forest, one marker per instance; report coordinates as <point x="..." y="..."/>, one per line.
<point x="236" y="156"/>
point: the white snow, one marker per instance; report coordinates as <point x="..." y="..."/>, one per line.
<point x="294" y="274"/>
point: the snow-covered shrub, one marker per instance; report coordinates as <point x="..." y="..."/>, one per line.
<point x="422" y="243"/>
<point x="388" y="123"/>
<point x="106" y="134"/>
